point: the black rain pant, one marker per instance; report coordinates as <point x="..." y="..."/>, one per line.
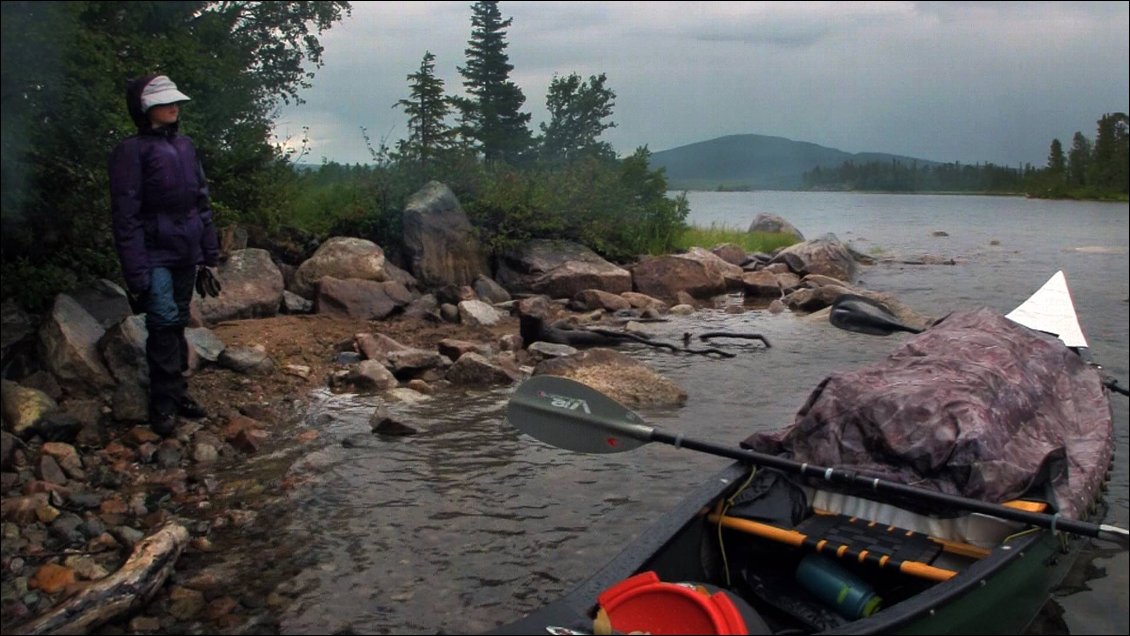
<point x="166" y="350"/>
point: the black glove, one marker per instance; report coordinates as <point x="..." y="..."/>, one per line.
<point x="206" y="283"/>
<point x="138" y="302"/>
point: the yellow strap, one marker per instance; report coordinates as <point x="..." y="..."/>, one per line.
<point x="796" y="539"/>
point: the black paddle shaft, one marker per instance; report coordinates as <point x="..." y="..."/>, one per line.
<point x="840" y="476"/>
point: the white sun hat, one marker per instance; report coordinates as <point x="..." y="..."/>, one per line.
<point x="161" y="90"/>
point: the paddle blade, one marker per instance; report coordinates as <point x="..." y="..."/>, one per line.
<point x="574" y="416"/>
<point x="863" y="315"/>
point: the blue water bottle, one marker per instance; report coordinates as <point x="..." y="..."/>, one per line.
<point x="841" y="590"/>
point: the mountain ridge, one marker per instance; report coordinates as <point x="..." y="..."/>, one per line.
<point x="756" y="162"/>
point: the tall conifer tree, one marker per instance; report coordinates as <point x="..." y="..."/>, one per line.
<point x="429" y="135"/>
<point x="1078" y="160"/>
<point x="491" y="115"/>
<point x="1111" y="153"/>
<point x="1057" y="162"/>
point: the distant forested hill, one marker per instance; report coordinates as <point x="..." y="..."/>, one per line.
<point x="738" y="162"/>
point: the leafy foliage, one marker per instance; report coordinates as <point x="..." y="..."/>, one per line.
<point x="578" y="110"/>
<point x="65" y="69"/>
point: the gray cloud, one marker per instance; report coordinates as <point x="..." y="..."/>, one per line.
<point x="948" y="81"/>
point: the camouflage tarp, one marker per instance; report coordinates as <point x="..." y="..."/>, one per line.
<point x="976" y="406"/>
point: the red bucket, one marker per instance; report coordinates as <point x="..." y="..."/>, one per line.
<point x="643" y="603"/>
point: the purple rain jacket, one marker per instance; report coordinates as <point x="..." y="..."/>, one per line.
<point x="159" y="199"/>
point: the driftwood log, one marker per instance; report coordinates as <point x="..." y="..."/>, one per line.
<point x="621" y="335"/>
<point x="146" y="570"/>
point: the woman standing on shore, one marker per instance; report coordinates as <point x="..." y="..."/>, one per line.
<point x="163" y="231"/>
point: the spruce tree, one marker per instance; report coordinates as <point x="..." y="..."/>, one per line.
<point x="491" y="118"/>
<point x="1078" y="160"/>
<point x="1057" y="163"/>
<point x="429" y="135"/>
<point x="1109" y="166"/>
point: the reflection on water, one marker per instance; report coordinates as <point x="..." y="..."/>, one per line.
<point x="468" y="524"/>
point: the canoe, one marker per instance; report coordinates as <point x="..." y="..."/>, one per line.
<point x="774" y="543"/>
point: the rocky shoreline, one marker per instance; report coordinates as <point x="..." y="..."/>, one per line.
<point x="100" y="515"/>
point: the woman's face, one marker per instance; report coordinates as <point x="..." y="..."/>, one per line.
<point x="163" y="114"/>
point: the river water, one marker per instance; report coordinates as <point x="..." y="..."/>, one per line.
<point x="469" y="524"/>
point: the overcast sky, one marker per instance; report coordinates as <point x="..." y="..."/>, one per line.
<point x="945" y="81"/>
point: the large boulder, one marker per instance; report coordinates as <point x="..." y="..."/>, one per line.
<point x="699" y="274"/>
<point x="559" y="269"/>
<point x="360" y="299"/>
<point x="68" y="342"/>
<point x="340" y="257"/>
<point x="439" y="241"/>
<point x="252" y="287"/>
<point x="773" y="224"/>
<point x="826" y="256"/>
<point x="105" y="301"/>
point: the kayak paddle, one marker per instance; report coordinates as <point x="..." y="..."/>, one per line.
<point x="576" y="417"/>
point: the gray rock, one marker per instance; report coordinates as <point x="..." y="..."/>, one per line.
<point x="490" y="291"/>
<point x="252" y="288"/>
<point x="440" y="244"/>
<point x="105" y="301"/>
<point x="295" y="304"/>
<point x="250" y="360"/>
<point x="773" y="224"/>
<point x="358" y="299"/>
<point x="68" y="342"/>
<point x="123" y="350"/>
<point x="472" y="369"/>
<point x="559" y="269"/>
<point x="826" y="256"/>
<point x="550" y="350"/>
<point x="476" y="313"/>
<point x="205" y="343"/>
<point x="23" y="408"/>
<point x="340" y="257"/>
<point x="372" y="376"/>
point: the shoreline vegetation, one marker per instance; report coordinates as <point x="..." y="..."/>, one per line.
<point x="1075" y="195"/>
<point x="1112" y="197"/>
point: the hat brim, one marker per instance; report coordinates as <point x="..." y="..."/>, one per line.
<point x="162" y="98"/>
